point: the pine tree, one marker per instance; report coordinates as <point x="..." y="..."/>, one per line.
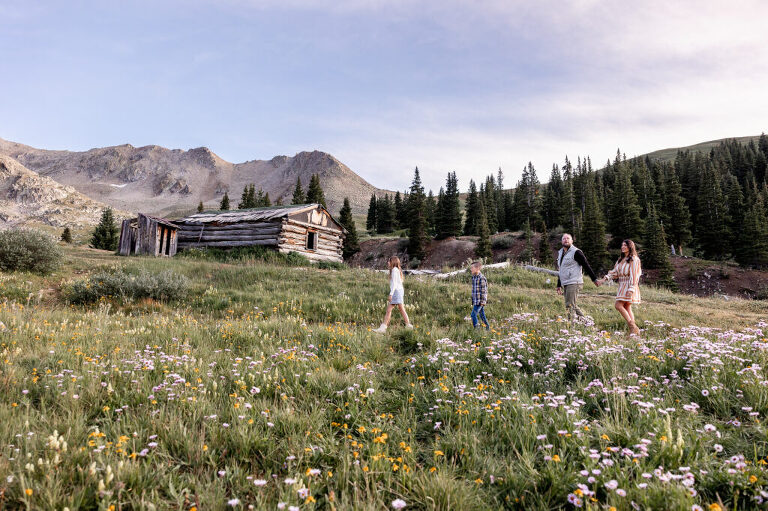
<point x="591" y="239"/>
<point x="450" y="209"/>
<point x="401" y="211"/>
<point x="711" y="219"/>
<point x="568" y="205"/>
<point x="430" y="209"/>
<point x="483" y="245"/>
<point x="489" y="200"/>
<point x="385" y="215"/>
<point x="624" y="219"/>
<point x="552" y="198"/>
<point x="351" y="244"/>
<point x="509" y="211"/>
<point x="644" y="186"/>
<point x="398" y="209"/>
<point x="471" y="209"/>
<point x="371" y="220"/>
<point x="66" y="236"/>
<point x="677" y="213"/>
<point x="656" y="253"/>
<point x="315" y="193"/>
<point x="501" y="212"/>
<point x="528" y="197"/>
<point x="417" y="238"/>
<point x="440" y="215"/>
<point x="106" y="234"/>
<point x="752" y="245"/>
<point x="224" y="206"/>
<point x="298" y="193"/>
<point x="252" y="202"/>
<point x="200" y="207"/>
<point x="545" y="251"/>
<point x="734" y="200"/>
<point x="243" y="198"/>
<point x="527" y="254"/>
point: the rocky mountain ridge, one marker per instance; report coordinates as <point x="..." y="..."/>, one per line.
<point x="27" y="198"/>
<point x="171" y="182"/>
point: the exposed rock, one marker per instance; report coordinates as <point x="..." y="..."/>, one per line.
<point x="26" y="197"/>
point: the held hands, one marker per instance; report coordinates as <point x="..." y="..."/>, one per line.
<point x="560" y="290"/>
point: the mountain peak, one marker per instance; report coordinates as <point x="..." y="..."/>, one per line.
<point x="171" y="182"/>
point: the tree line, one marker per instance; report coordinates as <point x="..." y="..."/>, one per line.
<point x="713" y="205"/>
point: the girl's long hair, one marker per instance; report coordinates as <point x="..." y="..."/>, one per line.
<point x="632" y="251"/>
<point x="394" y="262"/>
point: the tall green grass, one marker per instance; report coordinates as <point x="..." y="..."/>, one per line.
<point x="268" y="372"/>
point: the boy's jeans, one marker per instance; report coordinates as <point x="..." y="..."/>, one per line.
<point x="479" y="309"/>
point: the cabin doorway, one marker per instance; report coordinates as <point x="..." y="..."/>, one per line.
<point x="311" y="240"/>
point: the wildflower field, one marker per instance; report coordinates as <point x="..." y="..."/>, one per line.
<point x="264" y="388"/>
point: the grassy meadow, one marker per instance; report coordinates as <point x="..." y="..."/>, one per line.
<point x="264" y="388"/>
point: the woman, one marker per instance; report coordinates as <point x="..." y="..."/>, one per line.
<point x="627" y="271"/>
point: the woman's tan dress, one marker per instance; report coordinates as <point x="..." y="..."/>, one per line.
<point x="628" y="274"/>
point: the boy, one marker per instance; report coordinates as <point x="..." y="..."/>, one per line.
<point x="479" y="294"/>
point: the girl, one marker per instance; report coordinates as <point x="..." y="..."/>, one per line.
<point x="627" y="271"/>
<point x="395" y="294"/>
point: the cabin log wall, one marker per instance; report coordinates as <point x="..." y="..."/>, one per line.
<point x="286" y="233"/>
<point x="199" y="235"/>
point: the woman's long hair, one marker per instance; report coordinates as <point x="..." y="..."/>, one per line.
<point x="632" y="251"/>
<point x="394" y="262"/>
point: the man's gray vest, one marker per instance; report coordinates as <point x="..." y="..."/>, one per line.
<point x="570" y="270"/>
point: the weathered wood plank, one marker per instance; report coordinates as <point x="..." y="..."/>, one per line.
<point x="314" y="257"/>
<point x="248" y="228"/>
<point x="303" y="237"/>
<point x="225" y="237"/>
<point x="196" y="226"/>
<point x="313" y="226"/>
<point x="270" y="242"/>
<point x="125" y="238"/>
<point x="304" y="251"/>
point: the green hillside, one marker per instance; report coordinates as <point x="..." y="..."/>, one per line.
<point x="669" y="153"/>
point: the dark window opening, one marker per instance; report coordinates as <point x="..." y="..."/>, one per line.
<point x="311" y="240"/>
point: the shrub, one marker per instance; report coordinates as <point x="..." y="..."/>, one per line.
<point x="503" y="242"/>
<point x="28" y="250"/>
<point x="331" y="265"/>
<point x="66" y="235"/>
<point x="125" y="287"/>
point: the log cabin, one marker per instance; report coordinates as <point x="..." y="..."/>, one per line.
<point x="148" y="235"/>
<point x="307" y="229"/>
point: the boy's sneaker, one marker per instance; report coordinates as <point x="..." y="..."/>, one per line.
<point x="382" y="329"/>
<point x="409" y="326"/>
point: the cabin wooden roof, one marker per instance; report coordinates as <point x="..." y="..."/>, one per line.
<point x="251" y="215"/>
<point x="161" y="221"/>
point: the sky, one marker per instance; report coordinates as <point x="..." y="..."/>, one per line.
<point x="445" y="85"/>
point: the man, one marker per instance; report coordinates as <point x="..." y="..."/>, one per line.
<point x="571" y="263"/>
